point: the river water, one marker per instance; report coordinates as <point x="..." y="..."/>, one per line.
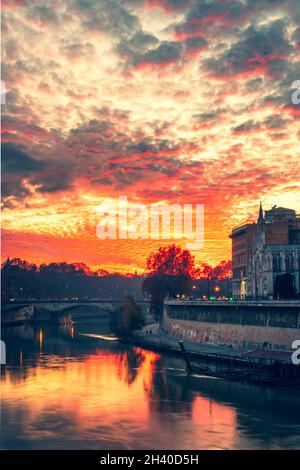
<point x="62" y="389"/>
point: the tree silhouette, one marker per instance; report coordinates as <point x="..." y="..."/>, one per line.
<point x="205" y="271"/>
<point x="60" y="281"/>
<point x="170" y="272"/>
<point x="223" y="270"/>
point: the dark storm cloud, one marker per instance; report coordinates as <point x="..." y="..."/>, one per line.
<point x="204" y="17"/>
<point x="106" y="15"/>
<point x="262" y="50"/>
<point x="273" y="99"/>
<point x="19" y="167"/>
<point x="43" y="14"/>
<point x="75" y="51"/>
<point x="254" y="84"/>
<point x="16" y="160"/>
<point x="296" y="37"/>
<point x="139" y="43"/>
<point x="275" y="122"/>
<point x="194" y="43"/>
<point x="209" y="116"/>
<point x="247" y="126"/>
<point x="119" y="158"/>
<point x="137" y="46"/>
<point x="161" y="146"/>
<point x="292" y="72"/>
<point x="167" y="52"/>
<point x="114" y="18"/>
<point x="281" y="91"/>
<point x="214" y="11"/>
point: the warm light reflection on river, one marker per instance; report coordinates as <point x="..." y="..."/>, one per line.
<point x="62" y="390"/>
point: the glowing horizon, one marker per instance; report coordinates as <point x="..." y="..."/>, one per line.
<point x="175" y="101"/>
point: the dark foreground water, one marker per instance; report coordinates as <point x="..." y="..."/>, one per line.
<point x="62" y="390"/>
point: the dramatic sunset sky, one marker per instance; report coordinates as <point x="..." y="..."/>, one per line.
<point x="185" y="101"/>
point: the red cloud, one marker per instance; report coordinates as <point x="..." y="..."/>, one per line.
<point x="12" y="3"/>
<point x="166" y="6"/>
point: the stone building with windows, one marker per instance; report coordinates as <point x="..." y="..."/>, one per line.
<point x="263" y="251"/>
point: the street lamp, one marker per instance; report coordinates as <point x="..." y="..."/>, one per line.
<point x="217" y="289"/>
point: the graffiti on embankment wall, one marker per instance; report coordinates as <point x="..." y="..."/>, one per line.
<point x="234" y="326"/>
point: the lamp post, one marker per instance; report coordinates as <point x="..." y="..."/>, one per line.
<point x="217" y="289"/>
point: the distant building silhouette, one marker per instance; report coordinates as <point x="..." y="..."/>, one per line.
<point x="263" y="251"/>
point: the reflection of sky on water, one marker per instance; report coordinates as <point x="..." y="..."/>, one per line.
<point x="60" y="390"/>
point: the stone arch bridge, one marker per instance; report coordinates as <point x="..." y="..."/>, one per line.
<point x="62" y="311"/>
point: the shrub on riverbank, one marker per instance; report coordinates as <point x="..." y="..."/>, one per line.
<point x="127" y="318"/>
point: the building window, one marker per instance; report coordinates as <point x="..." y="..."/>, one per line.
<point x="276" y="263"/>
<point x="289" y="263"/>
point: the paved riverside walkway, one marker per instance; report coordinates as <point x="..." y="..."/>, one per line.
<point x="162" y="341"/>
